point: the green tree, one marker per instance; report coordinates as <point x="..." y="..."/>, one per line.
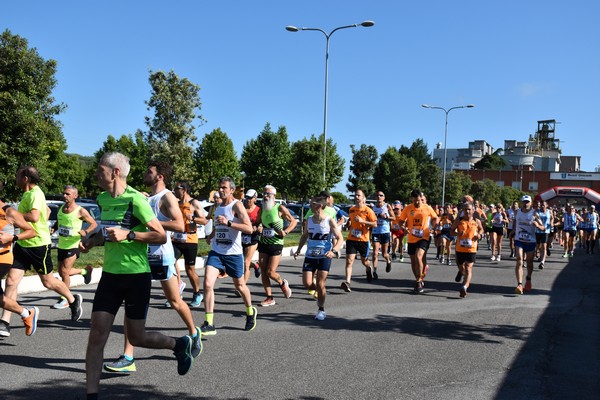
<point x="66" y="170"/>
<point x="306" y="182"/>
<point x="486" y="191"/>
<point x="266" y="159"/>
<point x="30" y="134"/>
<point x="491" y="161"/>
<point x="214" y="158"/>
<point x="418" y="151"/>
<point x="395" y="174"/>
<point x="430" y="181"/>
<point x="340" y="198"/>
<point x="362" y="168"/>
<point x="457" y="185"/>
<point x="509" y="194"/>
<point x="176" y="104"/>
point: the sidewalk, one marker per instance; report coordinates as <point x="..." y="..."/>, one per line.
<point x="33" y="284"/>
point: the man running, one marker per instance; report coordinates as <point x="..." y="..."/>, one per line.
<point x="9" y="220"/>
<point x="362" y="219"/>
<point x="225" y="256"/>
<point x="381" y="233"/>
<point x="186" y="242"/>
<point x="250" y="241"/>
<point x="270" y="243"/>
<point x="570" y="221"/>
<point x="397" y="232"/>
<point x="524" y="224"/>
<point x="70" y="220"/>
<point x="162" y="261"/>
<point x="468" y="232"/>
<point x="510" y="214"/>
<point x="591" y="227"/>
<point x="542" y="235"/>
<point x="35" y="252"/>
<point x="128" y="226"/>
<point x="319" y="232"/>
<point x="417" y="218"/>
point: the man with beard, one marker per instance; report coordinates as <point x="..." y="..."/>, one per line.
<point x="128" y="226"/>
<point x="225" y="256"/>
<point x="186" y="241"/>
<point x="270" y="244"/>
<point x="162" y="261"/>
<point x="362" y="219"/>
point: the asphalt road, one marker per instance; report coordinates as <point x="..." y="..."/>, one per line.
<point x="378" y="342"/>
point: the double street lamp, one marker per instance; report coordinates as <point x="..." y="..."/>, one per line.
<point x="445" y="142"/>
<point x="327" y="37"/>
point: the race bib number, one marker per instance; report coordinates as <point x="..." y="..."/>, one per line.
<point x="65" y="231"/>
<point x="396" y="227"/>
<point x="466" y="243"/>
<point x="109" y="224"/>
<point x="356" y="233"/>
<point x="268" y="233"/>
<point x="222" y="236"/>
<point x="315" y="252"/>
<point x="180" y="236"/>
<point x="246" y="239"/>
<point x="524" y="237"/>
<point x="417" y="232"/>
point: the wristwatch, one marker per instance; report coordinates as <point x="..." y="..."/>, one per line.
<point x="229" y="223"/>
<point x="131" y="235"/>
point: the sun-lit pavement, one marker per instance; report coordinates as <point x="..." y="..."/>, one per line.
<point x="378" y="342"/>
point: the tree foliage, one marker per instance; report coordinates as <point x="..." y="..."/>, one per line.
<point x="362" y="168"/>
<point x="214" y="158"/>
<point x="395" y="174"/>
<point x="457" y="185"/>
<point x="30" y="134"/>
<point x="266" y="159"/>
<point x="418" y="151"/>
<point x="176" y="104"/>
<point x="491" y="162"/>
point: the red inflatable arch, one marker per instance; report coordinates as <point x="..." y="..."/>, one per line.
<point x="569" y="191"/>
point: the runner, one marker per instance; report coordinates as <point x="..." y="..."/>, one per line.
<point x="128" y="226"/>
<point x="70" y="219"/>
<point x="362" y="219"/>
<point x="570" y="220"/>
<point x="186" y="242"/>
<point x="381" y="236"/>
<point x="498" y="220"/>
<point x="524" y="224"/>
<point x="225" y="256"/>
<point x="445" y="223"/>
<point x="468" y="232"/>
<point x="270" y="243"/>
<point x="35" y="252"/>
<point x="397" y="232"/>
<point x="9" y="220"/>
<point x="542" y="235"/>
<point x="417" y="218"/>
<point x="162" y="261"/>
<point x="250" y="241"/>
<point x="319" y="252"/>
<point x="591" y="227"/>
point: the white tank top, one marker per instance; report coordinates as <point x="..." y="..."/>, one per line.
<point x="162" y="254"/>
<point x="319" y="238"/>
<point x="227" y="241"/>
<point x="525" y="230"/>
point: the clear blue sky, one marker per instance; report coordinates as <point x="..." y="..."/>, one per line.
<point x="517" y="61"/>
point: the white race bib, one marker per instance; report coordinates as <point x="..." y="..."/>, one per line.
<point x="356" y="233"/>
<point x="417" y="232"/>
<point x="180" y="236"/>
<point x="268" y="233"/>
<point x="466" y="243"/>
<point x="65" y="231"/>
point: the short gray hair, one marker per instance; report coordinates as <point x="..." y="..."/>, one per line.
<point x="116" y="160"/>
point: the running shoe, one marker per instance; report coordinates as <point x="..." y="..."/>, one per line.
<point x="121" y="364"/>
<point x="493" y="258"/>
<point x="208" y="330"/>
<point x="402" y="258"/>
<point x="285" y="288"/>
<point x="571" y="254"/>
<point x="437" y="257"/>
<point x="181" y="287"/>
<point x="448" y="261"/>
<point x="76" y="308"/>
<point x="251" y="320"/>
<point x="346" y="287"/>
<point x="196" y="300"/>
<point x="321" y="315"/>
<point x="167" y="304"/>
<point x="312" y="292"/>
<point x="419" y="287"/>
<point x="4" y="329"/>
<point x="541" y="266"/>
<point x="528" y="286"/>
<point x="369" y="274"/>
<point x="87" y="278"/>
<point x="519" y="289"/>
<point x="394" y="256"/>
<point x="564" y="255"/>
<point x="31" y="321"/>
<point x="197" y="343"/>
<point x="256" y="269"/>
<point x="61" y="303"/>
<point x="458" y="277"/>
<point x="269" y="301"/>
<point x="512" y="254"/>
<point x="184" y="356"/>
<point x="548" y="252"/>
<point x="388" y="267"/>
<point x="463" y="292"/>
<point x="425" y="270"/>
<point x="498" y="257"/>
<point x="441" y="260"/>
<point x="375" y="276"/>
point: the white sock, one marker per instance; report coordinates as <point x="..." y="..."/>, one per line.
<point x="25" y="313"/>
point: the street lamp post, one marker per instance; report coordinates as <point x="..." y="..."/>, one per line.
<point x="327" y="37"/>
<point x="445" y="142"/>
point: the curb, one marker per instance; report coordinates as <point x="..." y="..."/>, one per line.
<point x="33" y="284"/>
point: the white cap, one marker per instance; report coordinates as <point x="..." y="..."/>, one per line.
<point x="526" y="198"/>
<point x="251" y="193"/>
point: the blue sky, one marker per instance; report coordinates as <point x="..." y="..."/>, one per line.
<point x="517" y="61"/>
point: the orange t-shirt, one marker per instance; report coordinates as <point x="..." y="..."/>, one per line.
<point x="360" y="232"/>
<point x="465" y="242"/>
<point x="418" y="221"/>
